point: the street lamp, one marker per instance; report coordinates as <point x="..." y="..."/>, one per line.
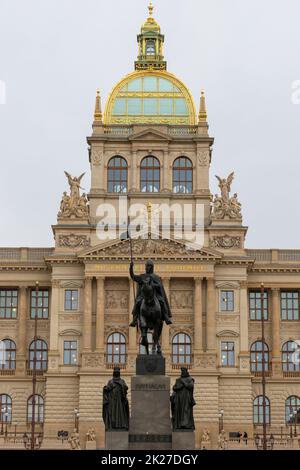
<point x="291" y="425"/>
<point x="221" y="420"/>
<point x="76" y="416"/>
<point x="2" y="413"/>
<point x="6" y="419"/>
<point x="295" y="423"/>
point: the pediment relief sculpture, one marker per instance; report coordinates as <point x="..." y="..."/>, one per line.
<point x="150" y="248"/>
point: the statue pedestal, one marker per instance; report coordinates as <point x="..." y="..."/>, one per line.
<point x="150" y="423"/>
<point x="183" y="440"/>
<point x="116" y="440"/>
<point x="90" y="445"/>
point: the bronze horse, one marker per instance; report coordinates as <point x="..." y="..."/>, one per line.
<point x="150" y="317"/>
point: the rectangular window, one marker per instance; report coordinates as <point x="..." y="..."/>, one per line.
<point x="120" y="106"/>
<point x="150" y="84"/>
<point x="255" y="305"/>
<point x="227" y="301"/>
<point x="290" y="305"/>
<point x="134" y="106"/>
<point x="180" y="106"/>
<point x="71" y="299"/>
<point x="227" y="354"/>
<point x="150" y="106"/>
<point x="8" y="303"/>
<point x="39" y="304"/>
<point x="166" y="106"/>
<point x="70" y="353"/>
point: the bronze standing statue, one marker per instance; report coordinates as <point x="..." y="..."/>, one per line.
<point x="151" y="306"/>
<point x="182" y="402"/>
<point x="115" y="403"/>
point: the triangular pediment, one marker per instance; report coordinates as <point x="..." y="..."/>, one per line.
<point x="150" y="134"/>
<point x="144" y="248"/>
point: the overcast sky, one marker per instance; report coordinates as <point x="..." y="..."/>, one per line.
<point x="244" y="53"/>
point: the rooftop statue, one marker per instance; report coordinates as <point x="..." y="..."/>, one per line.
<point x="74" y="205"/>
<point x="224" y="205"/>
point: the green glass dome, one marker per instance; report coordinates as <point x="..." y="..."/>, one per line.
<point x="156" y="97"/>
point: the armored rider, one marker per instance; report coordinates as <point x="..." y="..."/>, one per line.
<point x="159" y="290"/>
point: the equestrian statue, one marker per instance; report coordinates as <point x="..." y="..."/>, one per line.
<point x="151" y="306"/>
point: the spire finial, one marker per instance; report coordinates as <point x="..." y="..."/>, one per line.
<point x="202" y="110"/>
<point x="98" y="112"/>
<point x="150" y="8"/>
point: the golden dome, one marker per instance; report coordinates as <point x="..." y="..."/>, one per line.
<point x="150" y="96"/>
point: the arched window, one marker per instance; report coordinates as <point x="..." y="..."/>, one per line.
<point x="258" y="413"/>
<point x="41" y="350"/>
<point x="292" y="410"/>
<point x="256" y="356"/>
<point x="7" y="354"/>
<point x="181" y="349"/>
<point x="150" y="341"/>
<point x="5" y="408"/>
<point x="117" y="175"/>
<point x="116" y="349"/>
<point x="36" y="404"/>
<point x="182" y="176"/>
<point x="150" y="175"/>
<point x="290" y="357"/>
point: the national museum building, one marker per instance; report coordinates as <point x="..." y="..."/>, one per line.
<point x="149" y="145"/>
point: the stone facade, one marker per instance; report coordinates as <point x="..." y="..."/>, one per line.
<point x="97" y="271"/>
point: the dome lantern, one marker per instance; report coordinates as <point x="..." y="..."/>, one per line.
<point x="150" y="44"/>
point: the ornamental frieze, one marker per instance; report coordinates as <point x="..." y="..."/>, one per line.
<point x="114" y="318"/>
<point x="73" y="241"/>
<point x="147" y="248"/>
<point x="116" y="300"/>
<point x="182" y="299"/>
<point x="93" y="360"/>
<point x="226" y="242"/>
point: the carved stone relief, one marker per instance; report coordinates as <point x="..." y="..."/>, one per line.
<point x="226" y="242"/>
<point x="73" y="241"/>
<point x="97" y="157"/>
<point x="203" y="157"/>
<point x="182" y="299"/>
<point x="116" y="300"/>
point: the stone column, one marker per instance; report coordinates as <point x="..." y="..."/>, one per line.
<point x="53" y="356"/>
<point x="211" y="316"/>
<point x="134" y="173"/>
<point x="87" y="317"/>
<point x="166" y="172"/>
<point x="275" y="312"/>
<point x="244" y="336"/>
<point x="22" y="318"/>
<point x="198" y="314"/>
<point x="165" y="340"/>
<point x="100" y="314"/>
